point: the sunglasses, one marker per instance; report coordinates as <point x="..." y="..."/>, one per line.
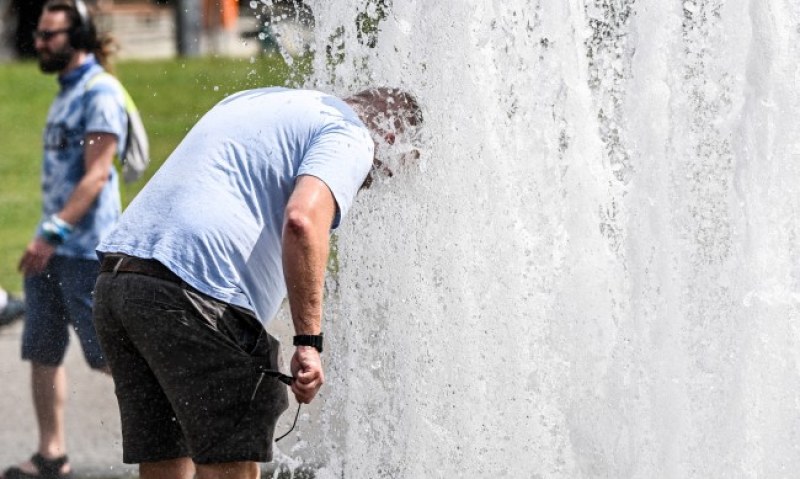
<point x="46" y="35"/>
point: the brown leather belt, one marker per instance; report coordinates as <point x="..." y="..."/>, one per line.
<point x="122" y="263"/>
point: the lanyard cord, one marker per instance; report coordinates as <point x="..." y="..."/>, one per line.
<point x="265" y="371"/>
<point x="285" y="379"/>
<point x="297" y="414"/>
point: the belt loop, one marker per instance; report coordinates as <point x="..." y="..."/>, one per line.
<point x="116" y="266"/>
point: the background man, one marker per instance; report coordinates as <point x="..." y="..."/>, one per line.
<point x="239" y="215"/>
<point x="86" y="127"/>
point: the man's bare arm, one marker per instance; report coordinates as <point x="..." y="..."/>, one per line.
<point x="98" y="154"/>
<point x="306" y="228"/>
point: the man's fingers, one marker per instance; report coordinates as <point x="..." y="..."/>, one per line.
<point x="301" y="396"/>
<point x="306" y="377"/>
<point x="28" y="264"/>
<point x="306" y="384"/>
<point x="31" y="265"/>
<point x="304" y="393"/>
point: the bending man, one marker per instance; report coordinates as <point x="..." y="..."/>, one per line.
<point x="237" y="217"/>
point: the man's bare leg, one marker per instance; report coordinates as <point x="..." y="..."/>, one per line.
<point x="229" y="470"/>
<point x="49" y="398"/>
<point x="49" y="388"/>
<point x="180" y="468"/>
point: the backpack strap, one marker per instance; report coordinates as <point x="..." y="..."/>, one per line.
<point x="135" y="155"/>
<point x="130" y="106"/>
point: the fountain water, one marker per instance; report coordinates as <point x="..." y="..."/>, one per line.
<point x="593" y="270"/>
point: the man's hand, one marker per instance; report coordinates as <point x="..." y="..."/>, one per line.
<point x="308" y="375"/>
<point x="36" y="257"/>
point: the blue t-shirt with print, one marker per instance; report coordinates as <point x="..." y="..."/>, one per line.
<point x="74" y="113"/>
<point x="213" y="213"/>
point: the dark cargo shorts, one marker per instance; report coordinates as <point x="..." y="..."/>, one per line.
<point x="187" y="371"/>
<point x="56" y="299"/>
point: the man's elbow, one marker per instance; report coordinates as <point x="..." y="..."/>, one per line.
<point x="297" y="224"/>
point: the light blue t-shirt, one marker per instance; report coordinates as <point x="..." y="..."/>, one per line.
<point x="75" y="112"/>
<point x="213" y="213"/>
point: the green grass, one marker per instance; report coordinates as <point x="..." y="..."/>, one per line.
<point x="171" y="95"/>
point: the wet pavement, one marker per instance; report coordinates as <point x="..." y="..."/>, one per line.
<point x="92" y="421"/>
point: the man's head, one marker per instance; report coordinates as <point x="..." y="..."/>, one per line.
<point x="388" y="113"/>
<point x="65" y="32"/>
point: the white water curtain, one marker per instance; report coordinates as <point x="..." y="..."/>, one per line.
<point x="593" y="271"/>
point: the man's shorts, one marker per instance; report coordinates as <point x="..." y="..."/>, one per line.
<point x="58" y="297"/>
<point x="187" y="369"/>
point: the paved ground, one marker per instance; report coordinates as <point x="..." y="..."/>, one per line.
<point x="93" y="438"/>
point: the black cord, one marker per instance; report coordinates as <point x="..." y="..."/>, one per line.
<point x="285" y="379"/>
<point x="293" y="424"/>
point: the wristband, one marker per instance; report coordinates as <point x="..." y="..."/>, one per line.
<point x="313" y="340"/>
<point x="55" y="230"/>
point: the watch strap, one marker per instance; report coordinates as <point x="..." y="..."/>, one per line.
<point x="313" y="340"/>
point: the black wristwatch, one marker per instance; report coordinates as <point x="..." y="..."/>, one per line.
<point x="313" y="340"/>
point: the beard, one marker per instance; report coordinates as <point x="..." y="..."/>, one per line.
<point x="56" y="61"/>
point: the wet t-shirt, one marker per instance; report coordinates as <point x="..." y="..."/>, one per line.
<point x="213" y="213"/>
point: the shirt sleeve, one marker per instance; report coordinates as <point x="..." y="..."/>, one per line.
<point x="104" y="110"/>
<point x="341" y="156"/>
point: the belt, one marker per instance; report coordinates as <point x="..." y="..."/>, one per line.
<point x="122" y="263"/>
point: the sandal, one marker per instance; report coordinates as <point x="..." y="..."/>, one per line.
<point x="48" y="469"/>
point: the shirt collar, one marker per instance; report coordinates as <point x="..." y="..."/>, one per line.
<point x="72" y="77"/>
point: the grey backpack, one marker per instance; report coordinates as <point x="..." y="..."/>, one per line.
<point x="136" y="155"/>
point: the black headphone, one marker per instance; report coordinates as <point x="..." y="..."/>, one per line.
<point x="83" y="34"/>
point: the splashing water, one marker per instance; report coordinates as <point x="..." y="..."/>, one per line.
<point x="593" y="269"/>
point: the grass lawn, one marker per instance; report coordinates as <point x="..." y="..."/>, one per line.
<point x="170" y="94"/>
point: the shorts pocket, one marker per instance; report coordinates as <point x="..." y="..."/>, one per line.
<point x="151" y="293"/>
<point x="243" y="329"/>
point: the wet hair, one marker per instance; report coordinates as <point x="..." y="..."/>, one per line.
<point x="394" y="104"/>
<point x="385" y="110"/>
<point x="83" y="34"/>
